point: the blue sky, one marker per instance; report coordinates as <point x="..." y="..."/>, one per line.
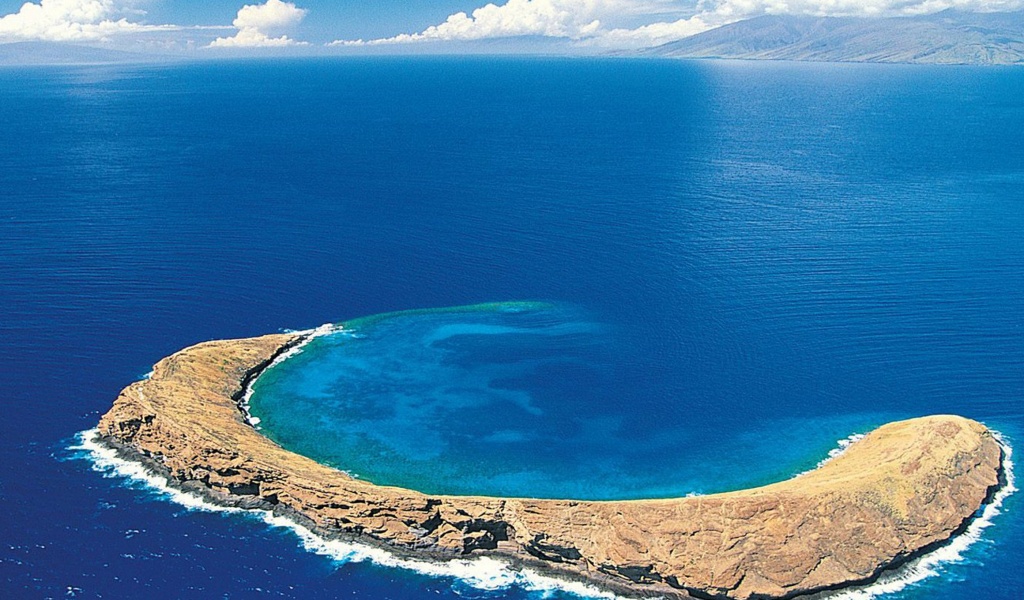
<point x="326" y="18"/>
<point x="407" y="25"/>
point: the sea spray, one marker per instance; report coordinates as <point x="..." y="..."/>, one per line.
<point x="930" y="564"/>
<point x="484" y="573"/>
<point x="841" y="447"/>
<point x="309" y="336"/>
<point x="489" y="574"/>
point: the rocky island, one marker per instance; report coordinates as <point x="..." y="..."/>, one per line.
<point x="903" y="490"/>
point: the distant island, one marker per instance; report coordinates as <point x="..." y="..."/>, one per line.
<point x="52" y="54"/>
<point x="951" y="36"/>
<point x="947" y="37"/>
<point x="901" y="491"/>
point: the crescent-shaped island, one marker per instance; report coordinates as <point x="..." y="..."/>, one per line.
<point x="903" y="490"/>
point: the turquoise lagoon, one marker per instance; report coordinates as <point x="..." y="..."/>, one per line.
<point x="528" y="399"/>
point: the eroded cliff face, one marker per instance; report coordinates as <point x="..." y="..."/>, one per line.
<point x="902" y="489"/>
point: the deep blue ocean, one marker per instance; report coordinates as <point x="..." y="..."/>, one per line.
<point x="704" y="275"/>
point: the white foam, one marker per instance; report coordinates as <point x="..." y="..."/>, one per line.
<point x="484" y="573"/>
<point x="841" y="447"/>
<point x="844" y="445"/>
<point x="106" y="461"/>
<point x="931" y="564"/>
<point x="487" y="573"/>
<point x="311" y="334"/>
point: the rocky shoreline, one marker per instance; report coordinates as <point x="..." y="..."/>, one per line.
<point x="903" y="490"/>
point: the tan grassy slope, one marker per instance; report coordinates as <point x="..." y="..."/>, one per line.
<point x="905" y="487"/>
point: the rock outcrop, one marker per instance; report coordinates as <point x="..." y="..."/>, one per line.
<point x="900" y="491"/>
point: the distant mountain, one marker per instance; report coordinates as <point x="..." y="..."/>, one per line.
<point x="948" y="37"/>
<point x="49" y="53"/>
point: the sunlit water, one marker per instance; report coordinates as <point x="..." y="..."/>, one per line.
<point x="728" y="267"/>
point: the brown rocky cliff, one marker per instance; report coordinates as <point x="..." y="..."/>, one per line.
<point x="904" y="488"/>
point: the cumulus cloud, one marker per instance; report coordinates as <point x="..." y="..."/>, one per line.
<point x="652" y="34"/>
<point x="73" y="20"/>
<point x="571" y="19"/>
<point x="591" y="22"/>
<point x="264" y="25"/>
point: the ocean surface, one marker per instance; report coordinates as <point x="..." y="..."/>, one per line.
<point x="586" y="278"/>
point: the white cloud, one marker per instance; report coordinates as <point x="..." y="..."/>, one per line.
<point x="271" y="18"/>
<point x="652" y="34"/>
<point x="73" y="20"/>
<point x="586" y="22"/>
<point x="264" y="25"/>
<point x="571" y="19"/>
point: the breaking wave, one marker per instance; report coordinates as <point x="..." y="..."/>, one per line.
<point x="490" y="574"/>
<point x="841" y="447"/>
<point x="311" y="334"/>
<point x="483" y="573"/>
<point x="931" y="564"/>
